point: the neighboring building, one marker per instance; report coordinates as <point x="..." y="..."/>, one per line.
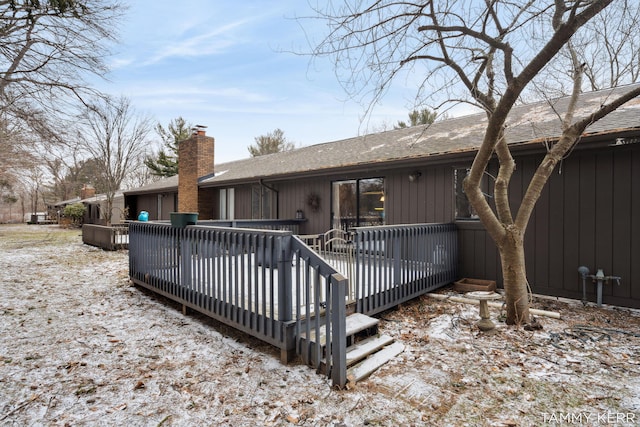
<point x="159" y="198"/>
<point x="54" y="210"/>
<point x="587" y="215"/>
<point x="95" y="204"/>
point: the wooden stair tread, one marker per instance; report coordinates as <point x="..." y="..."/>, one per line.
<point x="355" y="323"/>
<point x="364" y="348"/>
<point x="373" y="362"/>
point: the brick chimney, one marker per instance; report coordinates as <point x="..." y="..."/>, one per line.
<point x="87" y="191"/>
<point x="195" y="160"/>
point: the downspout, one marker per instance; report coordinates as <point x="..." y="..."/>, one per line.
<point x="262" y="184"/>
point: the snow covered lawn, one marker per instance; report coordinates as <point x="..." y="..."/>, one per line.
<point x="80" y="346"/>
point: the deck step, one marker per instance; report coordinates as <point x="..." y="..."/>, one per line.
<point x="374" y="361"/>
<point x="355" y="323"/>
<point x="366" y="347"/>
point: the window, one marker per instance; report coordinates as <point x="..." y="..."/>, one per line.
<point x="358" y="203"/>
<point x="464" y="210"/>
<point x="227" y="203"/>
<point x="263" y="203"/>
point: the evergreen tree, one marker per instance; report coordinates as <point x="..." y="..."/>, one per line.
<point x="165" y="163"/>
<point x="273" y="142"/>
<point x="422" y="117"/>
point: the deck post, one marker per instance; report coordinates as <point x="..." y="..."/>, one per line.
<point x="185" y="258"/>
<point x="285" y="284"/>
<point x="396" y="253"/>
<point x="338" y="346"/>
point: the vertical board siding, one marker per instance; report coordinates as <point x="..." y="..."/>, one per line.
<point x="622" y="222"/>
<point x="556" y="236"/>
<point x="294" y="195"/>
<point x="588" y="214"/>
<point x="540" y="252"/>
<point x="571" y="232"/>
<point x="603" y="206"/>
<point x="634" y="223"/>
<point x="587" y="220"/>
<point x="429" y="199"/>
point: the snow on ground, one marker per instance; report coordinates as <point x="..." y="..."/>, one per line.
<point x="80" y="346"/>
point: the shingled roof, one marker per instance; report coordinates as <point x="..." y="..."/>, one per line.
<point x="527" y="124"/>
<point x="161" y="185"/>
<point x="531" y="122"/>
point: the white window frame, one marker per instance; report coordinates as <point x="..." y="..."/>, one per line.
<point x="227" y="204"/>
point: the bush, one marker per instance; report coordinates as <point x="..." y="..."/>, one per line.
<point x="75" y="212"/>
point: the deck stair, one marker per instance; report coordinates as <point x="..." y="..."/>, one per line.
<point x="367" y="349"/>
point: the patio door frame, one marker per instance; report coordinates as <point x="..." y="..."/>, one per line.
<point x="372" y="199"/>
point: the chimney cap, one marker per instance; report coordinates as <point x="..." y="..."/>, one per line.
<point x="199" y="129"/>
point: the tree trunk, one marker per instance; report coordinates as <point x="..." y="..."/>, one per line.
<point x="108" y="209"/>
<point x="515" y="278"/>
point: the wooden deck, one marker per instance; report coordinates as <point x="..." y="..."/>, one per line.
<point x="271" y="285"/>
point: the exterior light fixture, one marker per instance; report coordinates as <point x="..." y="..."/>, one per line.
<point x="414" y="176"/>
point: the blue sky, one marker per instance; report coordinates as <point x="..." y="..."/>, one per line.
<point x="226" y="65"/>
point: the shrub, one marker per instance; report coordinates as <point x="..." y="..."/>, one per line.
<point x="75" y="212"/>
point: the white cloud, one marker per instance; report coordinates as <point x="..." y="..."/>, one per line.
<point x="209" y="43"/>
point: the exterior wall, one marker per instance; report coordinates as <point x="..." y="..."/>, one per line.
<point x="207" y="204"/>
<point x="427" y="199"/>
<point x="96" y="210"/>
<point x="196" y="156"/>
<point x="587" y="215"/>
<point x="169" y="204"/>
<point x="146" y="202"/>
<point x="149" y="202"/>
<point x="293" y="196"/>
<point x="242" y="207"/>
<point x="117" y="214"/>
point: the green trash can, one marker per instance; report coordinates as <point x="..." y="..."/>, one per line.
<point x="182" y="219"/>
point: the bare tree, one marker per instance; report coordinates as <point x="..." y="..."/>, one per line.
<point x="47" y="49"/>
<point x="490" y="54"/>
<point x="115" y="137"/>
<point x="613" y="58"/>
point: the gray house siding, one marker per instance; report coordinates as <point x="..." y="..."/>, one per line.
<point x="428" y="199"/>
<point x="293" y="196"/>
<point x="588" y="214"/>
<point x="149" y="202"/>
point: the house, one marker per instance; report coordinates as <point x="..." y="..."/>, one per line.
<point x="587" y="215"/>
<point x="159" y="198"/>
<point x="54" y="210"/>
<point x="95" y="205"/>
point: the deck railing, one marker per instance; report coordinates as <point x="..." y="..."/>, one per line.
<point x="271" y="285"/>
<point x="110" y="238"/>
<point x="394" y="264"/>
<point x="292" y="225"/>
<point x="266" y="283"/>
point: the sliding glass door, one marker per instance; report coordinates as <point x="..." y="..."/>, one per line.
<point x="357" y="203"/>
